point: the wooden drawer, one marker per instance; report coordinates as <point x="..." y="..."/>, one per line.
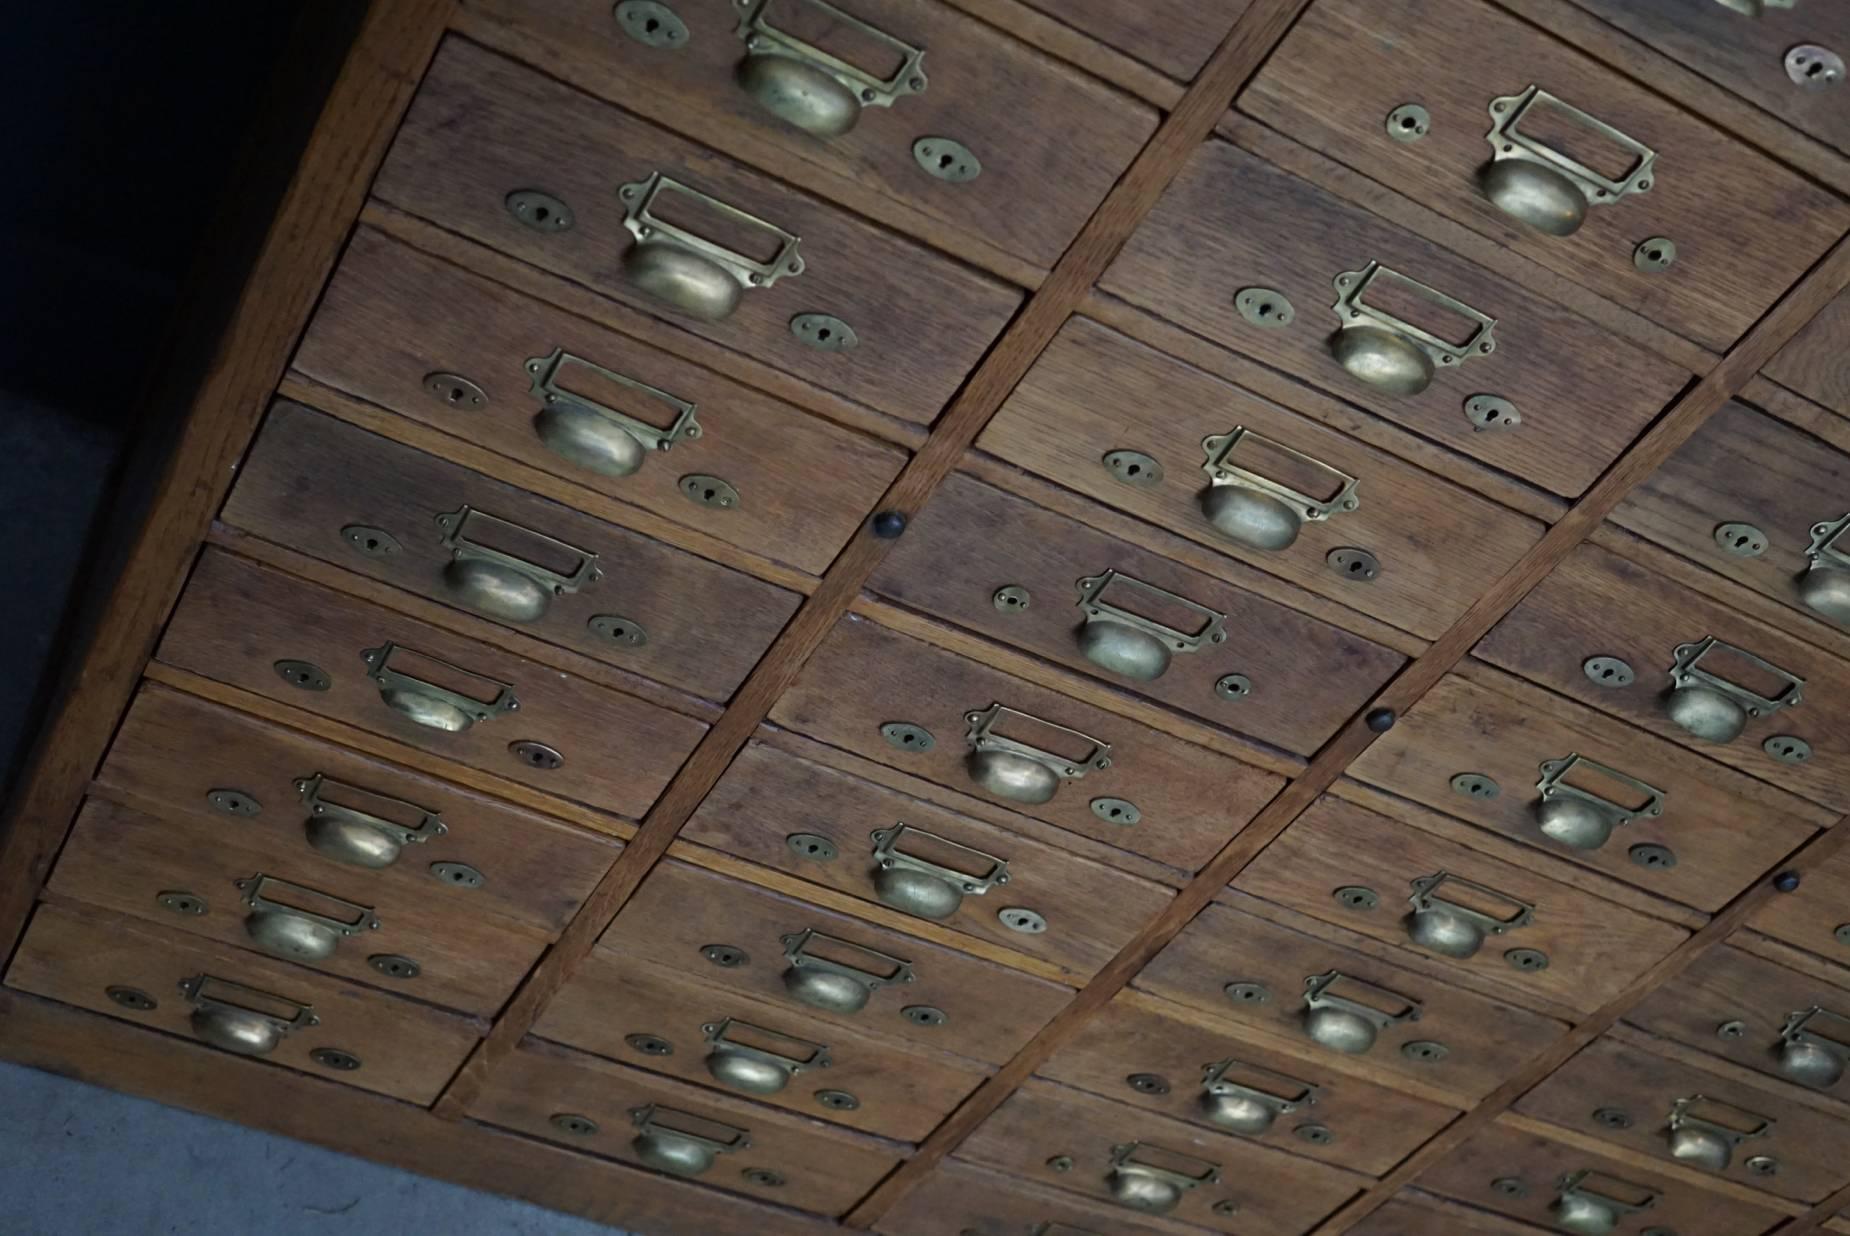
<point x="1744" y="467"/>
<point x="134" y="971"/>
<point x="1490" y="727"/>
<point x="630" y="1011"/>
<point x="1816" y="363"/>
<point x="1106" y="1150"/>
<point x="1299" y="679"/>
<point x="1412" y="1213"/>
<point x="959" y="1198"/>
<point x="1755" y="1135"/>
<point x="1264" y="976"/>
<point x="1810" y="916"/>
<point x="1521" y="1175"/>
<point x="1597" y="604"/>
<point x="1047" y="141"/>
<point x="1749" y="55"/>
<point x="1757" y="1000"/>
<point x="1090" y="395"/>
<point x="865" y="679"/>
<point x="621" y="1113"/>
<point x="204" y="878"/>
<point x="1233" y="222"/>
<point x="237" y="620"/>
<point x="1175" y="37"/>
<point x="328" y="489"/>
<point x="393" y="317"/>
<point x="1349" y="866"/>
<point x="483" y="128"/>
<point x="1744" y="227"/>
<point x="1159" y="1057"/>
<point x="204" y="766"/>
<point x="829" y="967"/>
<point x="770" y="804"/>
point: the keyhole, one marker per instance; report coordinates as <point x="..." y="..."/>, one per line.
<point x="651" y="26"/>
<point x="823" y="333"/>
<point x="1134" y="470"/>
<point x="541" y="214"/>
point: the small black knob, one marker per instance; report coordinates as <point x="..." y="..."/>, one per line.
<point x="888" y="525"/>
<point x="1381" y="720"/>
<point x="1786" y="881"/>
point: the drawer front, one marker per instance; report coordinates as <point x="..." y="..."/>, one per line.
<point x="1419" y="1214"/>
<point x="1044" y="142"/>
<point x="1271" y="980"/>
<point x="1175" y="37"/>
<point x="620" y="1113"/>
<point x="1521" y="1175"/>
<point x="1751" y="55"/>
<point x="959" y="1198"/>
<point x="199" y="877"/>
<point x="393" y="318"/>
<point x="1184" y="801"/>
<point x="237" y="620"/>
<point x="1751" y="498"/>
<point x="297" y="799"/>
<point x="1149" y="1055"/>
<point x="236" y="1000"/>
<point x="1505" y="739"/>
<point x="771" y="807"/>
<point x="483" y="128"/>
<point x="1815" y="916"/>
<point x="1484" y="912"/>
<point x="1753" y="1135"/>
<point x="1290" y="680"/>
<point x="1094" y="393"/>
<point x="1744" y="227"/>
<point x="1753" y="1012"/>
<point x="1816" y="363"/>
<point x="321" y="486"/>
<point x="643" y="1016"/>
<point x="830" y="967"/>
<point x="1597" y="604"/>
<point x="1232" y="223"/>
<point x="1142" y="1161"/>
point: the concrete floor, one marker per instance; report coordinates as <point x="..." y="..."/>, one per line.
<point x="79" y="1161"/>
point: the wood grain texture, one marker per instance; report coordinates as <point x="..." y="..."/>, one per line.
<point x="1594" y="949"/>
<point x="1272" y="1193"/>
<point x="1190" y="799"/>
<point x="823" y="1168"/>
<point x="173" y="750"/>
<point x="1372" y="1127"/>
<point x="1233" y="221"/>
<point x="104" y="1052"/>
<point x="483" y="127"/>
<point x="1095" y="391"/>
<point x="1108" y="60"/>
<point x="1456" y="56"/>
<point x="1808" y="1143"/>
<point x="1502" y="728"/>
<point x="363" y="108"/>
<point x="394" y="315"/>
<point x="1745" y="56"/>
<point x="972" y="540"/>
<point x="1051" y="141"/>
<point x="126" y="861"/>
<point x="1809" y="916"/>
<point x="1599" y="604"/>
<point x="989" y="1011"/>
<point x="1815" y="363"/>
<point x="237" y="620"/>
<point x="769" y="795"/>
<point x="74" y="953"/>
<point x="902" y="1091"/>
<point x="960" y="1197"/>
<point x="1413" y="1213"/>
<point x="310" y="477"/>
<point x="1174" y="36"/>
<point x="1498" y="1152"/>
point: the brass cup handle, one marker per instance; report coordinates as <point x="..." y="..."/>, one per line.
<point x="235" y="1018"/>
<point x="1809" y="1056"/>
<point x="1153" y="1188"/>
<point x="687" y="272"/>
<point x="1252" y="509"/>
<point x="292" y="933"/>
<point x="1124" y="642"/>
<point x="1534" y="183"/>
<point x="1708" y="1143"/>
<point x="1246" y="1109"/>
<point x="1452" y="929"/>
<point x="664" y="1142"/>
<point x="1588" y="1203"/>
<point x="927" y="889"/>
<point x="427" y="704"/>
<point x="810" y="88"/>
<point x="1824" y="588"/>
<point x="1579" y="818"/>
<point x="502" y="585"/>
<point x="597" y="436"/>
<point x="751" y="1069"/>
<point x="1715" y="709"/>
<point x="835" y="986"/>
<point x="1343" y="1024"/>
<point x="1389" y="353"/>
<point x="360" y="838"/>
<point x="1019" y="771"/>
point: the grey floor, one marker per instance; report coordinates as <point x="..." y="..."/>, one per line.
<point x="77" y="1161"/>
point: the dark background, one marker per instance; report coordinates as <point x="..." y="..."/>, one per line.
<point x="144" y="149"/>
